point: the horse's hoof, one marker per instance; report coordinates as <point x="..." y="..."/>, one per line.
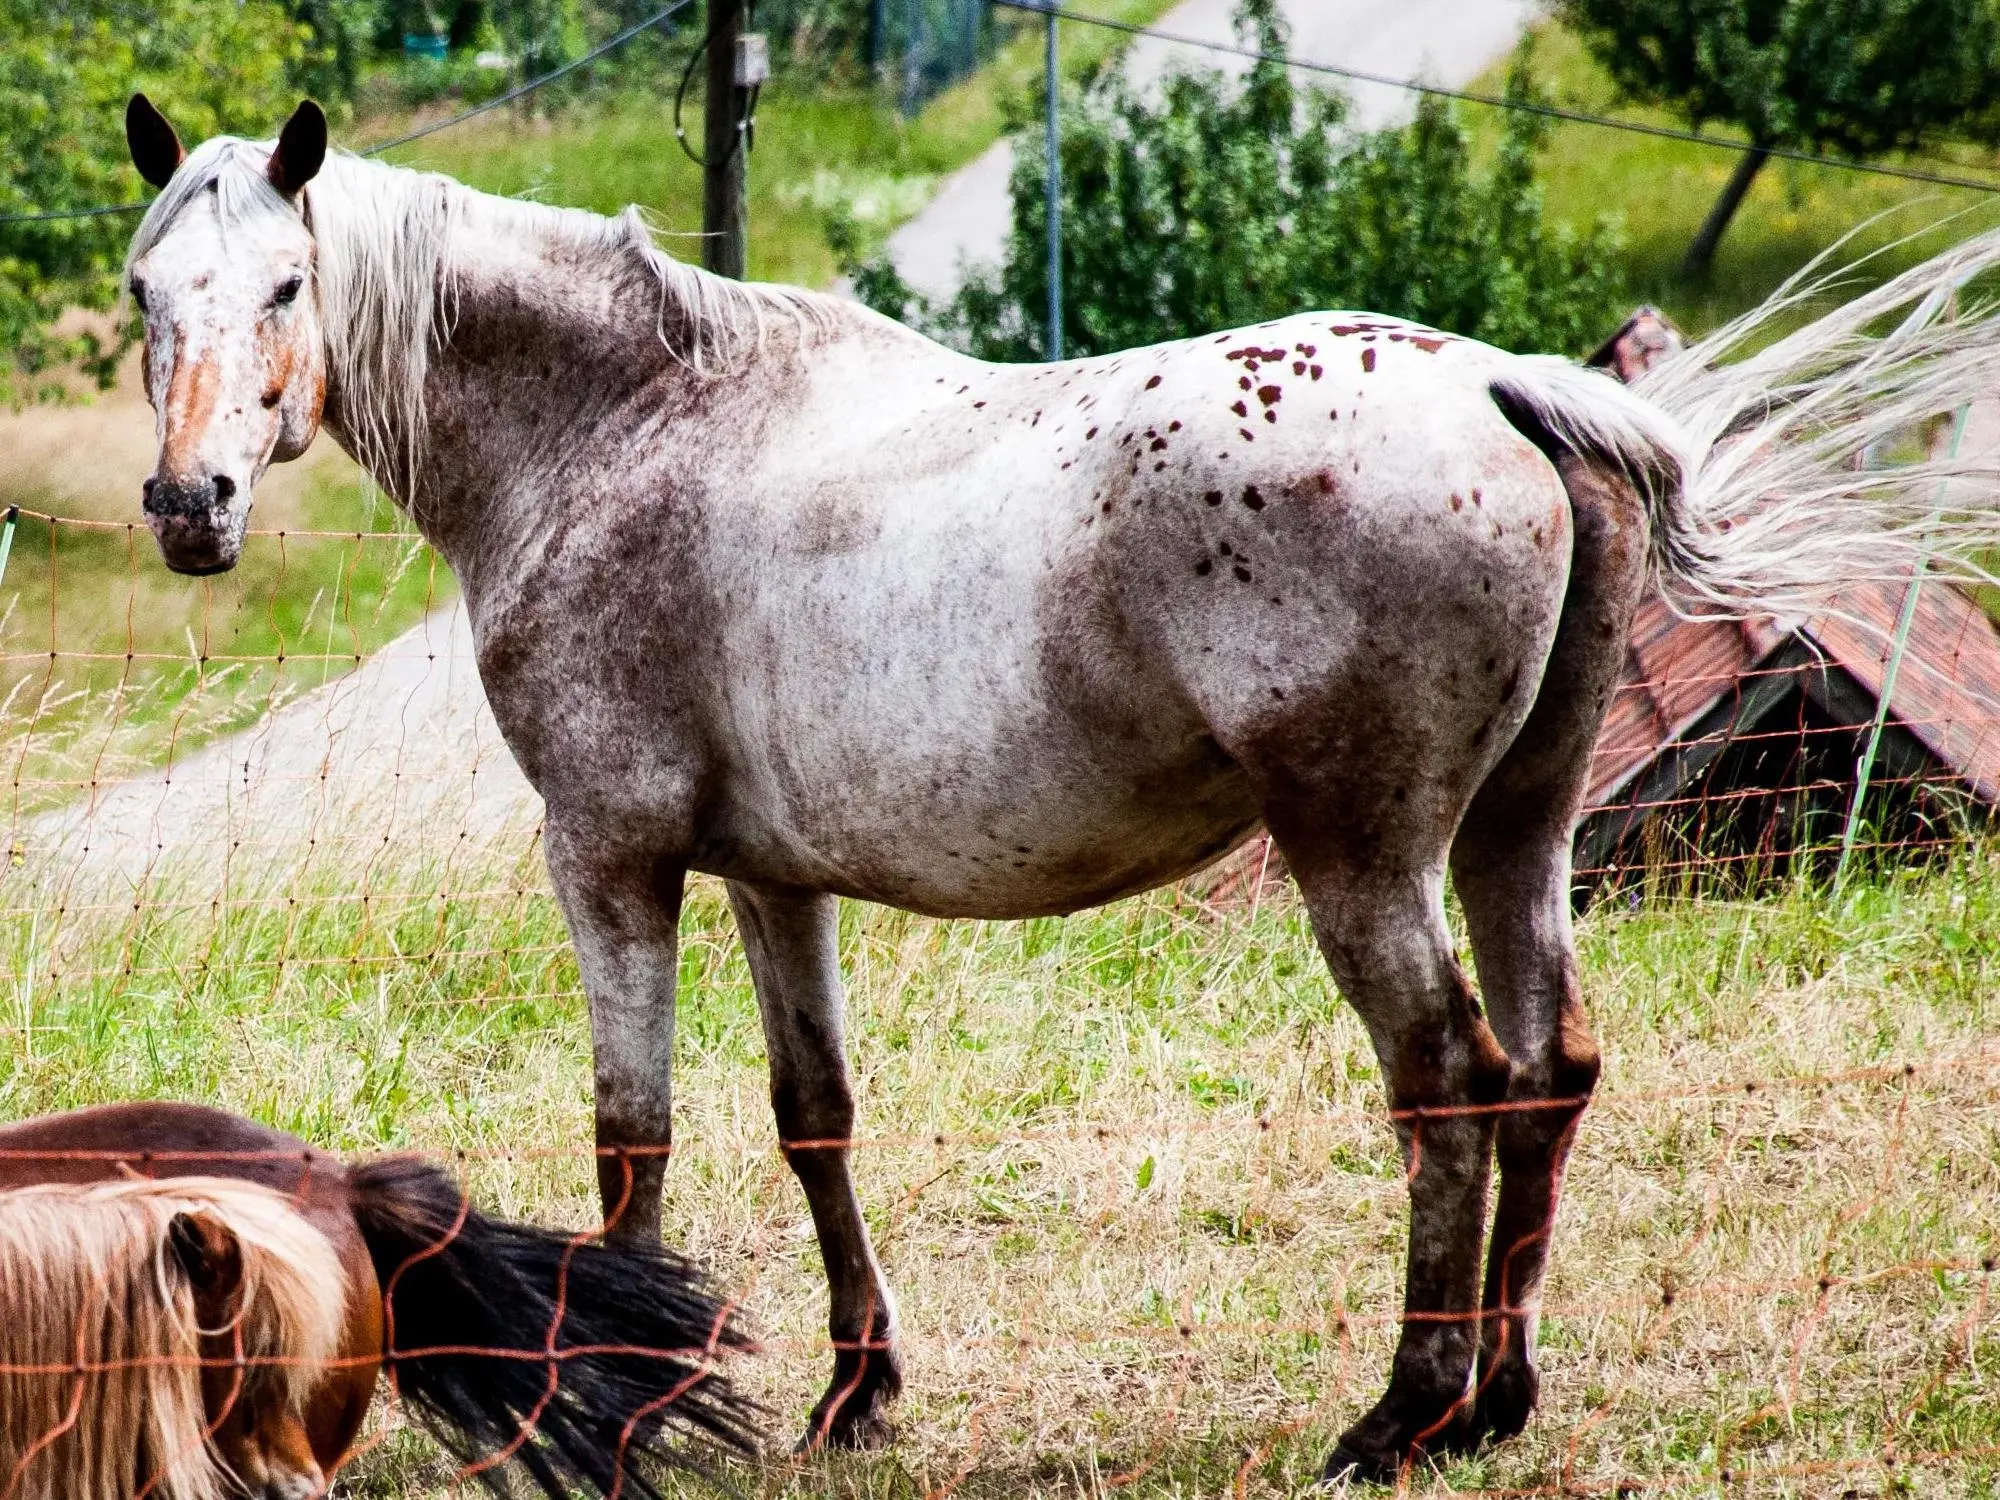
<point x="1349" y="1467"/>
<point x="1375" y="1449"/>
<point x="853" y="1415"/>
<point x="862" y="1434"/>
<point x="1507" y="1398"/>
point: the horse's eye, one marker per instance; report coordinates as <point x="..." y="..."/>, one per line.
<point x="288" y="290"/>
<point x="139" y="298"/>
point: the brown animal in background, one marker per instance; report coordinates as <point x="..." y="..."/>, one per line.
<point x="198" y="1306"/>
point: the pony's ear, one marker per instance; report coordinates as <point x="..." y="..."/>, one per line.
<point x="301" y="148"/>
<point x="209" y="1254"/>
<point x="156" y="150"/>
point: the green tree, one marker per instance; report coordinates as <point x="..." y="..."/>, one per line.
<point x="66" y="69"/>
<point x="1857" y="77"/>
<point x="1217" y="204"/>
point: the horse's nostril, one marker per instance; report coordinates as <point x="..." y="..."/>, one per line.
<point x="225" y="489"/>
<point x="146" y="489"/>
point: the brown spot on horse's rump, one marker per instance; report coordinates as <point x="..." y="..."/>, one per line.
<point x="1240" y="409"/>
<point x="1457" y="501"/>
<point x="1429" y="346"/>
<point x="1153" y="382"/>
<point x="1213" y="497"/>
<point x="1270" y="395"/>
<point x="1367" y="361"/>
<point x="1246" y="434"/>
<point x="1253" y="497"/>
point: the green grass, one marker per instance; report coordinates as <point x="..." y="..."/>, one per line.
<point x="1063" y="1144"/>
<point x="108" y="662"/>
<point x="1660" y="191"/>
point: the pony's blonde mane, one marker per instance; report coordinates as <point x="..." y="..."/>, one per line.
<point x="389" y="241"/>
<point x="87" y="1276"/>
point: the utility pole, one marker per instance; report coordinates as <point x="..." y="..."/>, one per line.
<point x="1052" y="145"/>
<point x="736" y="66"/>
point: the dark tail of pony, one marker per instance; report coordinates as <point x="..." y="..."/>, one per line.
<point x="587" y="1365"/>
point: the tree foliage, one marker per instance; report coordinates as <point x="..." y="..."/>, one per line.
<point x="66" y="69"/>
<point x="1855" y="77"/>
<point x="1217" y="204"/>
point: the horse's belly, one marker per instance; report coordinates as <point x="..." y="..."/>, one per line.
<point x="1038" y="845"/>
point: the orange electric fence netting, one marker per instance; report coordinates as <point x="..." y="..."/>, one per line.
<point x="1774" y="1269"/>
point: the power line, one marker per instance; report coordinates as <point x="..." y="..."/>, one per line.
<point x="1496" y="101"/>
<point x="610" y="44"/>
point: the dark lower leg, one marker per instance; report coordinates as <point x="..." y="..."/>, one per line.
<point x="1448" y="1149"/>
<point x="790" y="939"/>
<point x="1534" y="1144"/>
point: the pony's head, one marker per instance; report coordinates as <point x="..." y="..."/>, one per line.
<point x="222" y="271"/>
<point x="162" y="1338"/>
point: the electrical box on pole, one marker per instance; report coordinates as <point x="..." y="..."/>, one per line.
<point x="737" y="67"/>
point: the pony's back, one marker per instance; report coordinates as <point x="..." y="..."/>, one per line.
<point x="101" y="1337"/>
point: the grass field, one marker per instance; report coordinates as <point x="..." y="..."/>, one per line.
<point x="1086" y="1135"/>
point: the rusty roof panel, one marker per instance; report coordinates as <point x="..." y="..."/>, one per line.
<point x="1948" y="687"/>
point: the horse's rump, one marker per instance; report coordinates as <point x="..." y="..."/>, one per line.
<point x="101" y="1356"/>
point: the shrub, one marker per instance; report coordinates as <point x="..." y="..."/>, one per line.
<point x="1218" y="204"/>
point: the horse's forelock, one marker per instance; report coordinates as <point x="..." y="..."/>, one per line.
<point x="85" y="1275"/>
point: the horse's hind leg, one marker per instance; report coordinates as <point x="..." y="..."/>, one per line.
<point x="790" y="937"/>
<point x="1511" y="868"/>
<point x="1380" y="922"/>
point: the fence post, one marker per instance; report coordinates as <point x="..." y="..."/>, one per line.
<point x="1052" y="146"/>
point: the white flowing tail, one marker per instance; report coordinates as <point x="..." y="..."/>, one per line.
<point x="1776" y="507"/>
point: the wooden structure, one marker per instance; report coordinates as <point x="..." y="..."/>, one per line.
<point x="1739" y="740"/>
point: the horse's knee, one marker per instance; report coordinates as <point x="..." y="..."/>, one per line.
<point x="1449" y="1061"/>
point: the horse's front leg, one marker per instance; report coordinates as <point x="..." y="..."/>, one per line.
<point x="623" y="912"/>
<point x="791" y="938"/>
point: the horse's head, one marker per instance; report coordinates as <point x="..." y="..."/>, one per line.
<point x="257" y="1425"/>
<point x="235" y="363"/>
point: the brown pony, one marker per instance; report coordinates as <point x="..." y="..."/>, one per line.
<point x="198" y="1305"/>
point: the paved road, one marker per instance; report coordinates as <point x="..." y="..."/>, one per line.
<point x="1441" y="41"/>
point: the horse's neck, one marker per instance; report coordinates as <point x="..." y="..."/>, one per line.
<point x="548" y="376"/>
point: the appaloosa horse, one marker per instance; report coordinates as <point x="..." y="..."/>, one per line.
<point x="767" y="586"/>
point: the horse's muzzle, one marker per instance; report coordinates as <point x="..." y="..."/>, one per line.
<point x="197" y="522"/>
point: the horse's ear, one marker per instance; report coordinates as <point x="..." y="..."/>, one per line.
<point x="300" y="150"/>
<point x="209" y="1254"/>
<point x="156" y="150"/>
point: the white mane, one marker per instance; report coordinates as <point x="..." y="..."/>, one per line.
<point x="388" y="242"/>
